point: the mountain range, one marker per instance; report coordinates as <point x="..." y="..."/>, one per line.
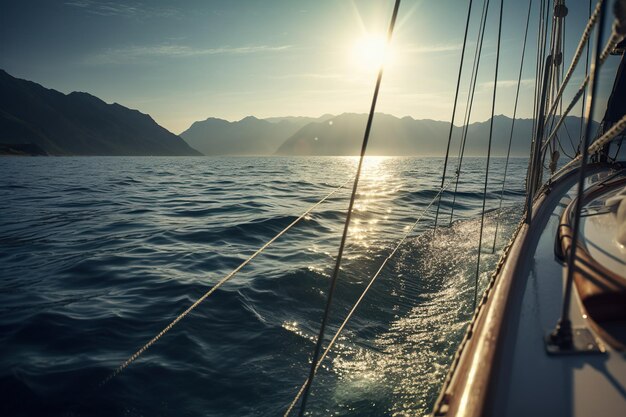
<point x="77" y="124"/>
<point x="248" y="136"/>
<point x="35" y="120"/>
<point x="342" y="135"/>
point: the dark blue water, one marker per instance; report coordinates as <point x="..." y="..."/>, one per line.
<point x="97" y="255"/>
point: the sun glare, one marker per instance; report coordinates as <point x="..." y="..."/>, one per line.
<point x="370" y="52"/>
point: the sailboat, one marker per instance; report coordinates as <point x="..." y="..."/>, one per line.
<point x="548" y="335"/>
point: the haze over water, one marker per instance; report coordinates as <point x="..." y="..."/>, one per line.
<point x="98" y="254"/>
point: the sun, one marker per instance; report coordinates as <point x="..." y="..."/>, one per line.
<point x="370" y="52"/>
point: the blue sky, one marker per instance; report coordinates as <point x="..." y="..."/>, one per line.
<point x="187" y="60"/>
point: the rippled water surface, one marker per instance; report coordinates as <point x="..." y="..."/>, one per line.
<point x="97" y="255"/>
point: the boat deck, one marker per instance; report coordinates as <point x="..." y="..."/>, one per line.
<point x="527" y="381"/>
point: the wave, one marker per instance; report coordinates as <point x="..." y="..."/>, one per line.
<point x="97" y="258"/>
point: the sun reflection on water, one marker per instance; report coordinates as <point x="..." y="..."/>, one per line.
<point x="376" y="188"/>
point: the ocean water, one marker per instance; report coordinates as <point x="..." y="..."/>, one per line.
<point x="98" y="254"/>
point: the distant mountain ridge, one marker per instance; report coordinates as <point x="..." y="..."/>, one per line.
<point x="78" y="123"/>
<point x="248" y="136"/>
<point x="393" y="136"/>
<point x="38" y="121"/>
<point x="342" y="135"/>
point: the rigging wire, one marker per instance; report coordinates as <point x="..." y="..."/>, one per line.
<point x="558" y="142"/>
<point x="553" y="49"/>
<point x="508" y="152"/>
<point x="616" y="131"/>
<point x="562" y="335"/>
<point x="543" y="45"/>
<point x="493" y="109"/>
<point x="470" y="101"/>
<point x="333" y="281"/>
<point x="221" y="282"/>
<point x="553" y="78"/>
<point x="539" y="81"/>
<point x="617" y="35"/>
<point x="560" y="12"/>
<point x="577" y="55"/>
<point x="534" y="161"/>
<point x="456" y="96"/>
<point x="582" y="104"/>
<point x="364" y="293"/>
<point x="614" y="39"/>
<point x="569" y="136"/>
<point x="537" y="64"/>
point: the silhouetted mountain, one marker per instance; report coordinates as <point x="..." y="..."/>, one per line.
<point x="78" y="123"/>
<point x="248" y="136"/>
<point x="342" y="135"/>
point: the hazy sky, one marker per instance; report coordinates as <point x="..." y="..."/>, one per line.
<point x="182" y="61"/>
